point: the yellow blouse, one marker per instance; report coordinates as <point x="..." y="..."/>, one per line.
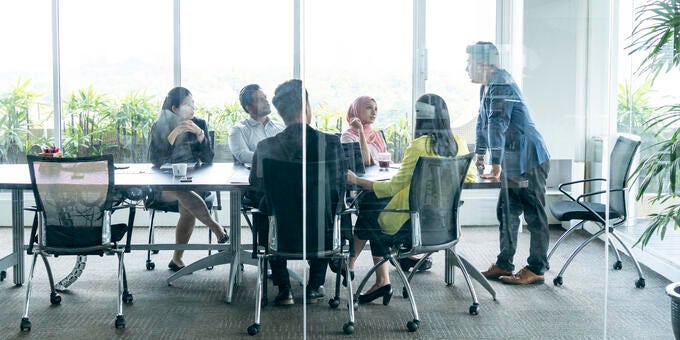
<point x="398" y="186"/>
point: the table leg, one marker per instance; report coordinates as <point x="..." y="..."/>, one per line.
<point x="18" y="234"/>
<point x="235" y="236"/>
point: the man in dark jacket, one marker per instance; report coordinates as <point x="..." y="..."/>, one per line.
<point x="287" y="145"/>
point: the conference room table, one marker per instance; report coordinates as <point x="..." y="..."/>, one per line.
<point x="213" y="177"/>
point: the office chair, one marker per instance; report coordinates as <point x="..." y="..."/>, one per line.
<point x="74" y="199"/>
<point x="212" y="199"/>
<point x="434" y="197"/>
<point x="283" y="184"/>
<point x="577" y="208"/>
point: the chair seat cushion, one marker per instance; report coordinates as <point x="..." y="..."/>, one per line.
<point x="570" y="210"/>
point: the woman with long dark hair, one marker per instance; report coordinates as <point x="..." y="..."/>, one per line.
<point x="180" y="137"/>
<point x="433" y="138"/>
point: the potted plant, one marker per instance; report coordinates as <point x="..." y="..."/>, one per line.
<point x="656" y="35"/>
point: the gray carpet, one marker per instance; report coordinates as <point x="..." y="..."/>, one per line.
<point x="194" y="306"/>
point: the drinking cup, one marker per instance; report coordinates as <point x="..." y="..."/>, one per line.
<point x="179" y="169"/>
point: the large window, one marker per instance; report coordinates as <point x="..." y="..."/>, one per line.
<point x="358" y="48"/>
<point x="114" y="74"/>
<point x="226" y="45"/>
<point x="25" y="78"/>
<point x="451" y="27"/>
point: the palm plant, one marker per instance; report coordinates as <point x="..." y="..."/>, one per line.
<point x="14" y="120"/>
<point x="85" y="109"/>
<point x="657" y="35"/>
<point x="131" y="122"/>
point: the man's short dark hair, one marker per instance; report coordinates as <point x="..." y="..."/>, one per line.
<point x="484" y="51"/>
<point x="288" y="99"/>
<point x="246" y="95"/>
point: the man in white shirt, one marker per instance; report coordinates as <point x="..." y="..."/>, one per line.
<point x="244" y="136"/>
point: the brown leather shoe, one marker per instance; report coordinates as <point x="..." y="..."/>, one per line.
<point x="494" y="272"/>
<point x="523" y="277"/>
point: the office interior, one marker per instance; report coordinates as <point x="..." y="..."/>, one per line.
<point x="71" y="67"/>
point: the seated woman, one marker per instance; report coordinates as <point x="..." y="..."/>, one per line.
<point x="361" y="115"/>
<point x="179" y="137"/>
<point x="433" y="138"/>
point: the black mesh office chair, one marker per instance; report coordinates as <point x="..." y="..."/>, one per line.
<point x="74" y="202"/>
<point x="578" y="209"/>
<point x="434" y="197"/>
<point x="320" y="224"/>
<point x="212" y="199"/>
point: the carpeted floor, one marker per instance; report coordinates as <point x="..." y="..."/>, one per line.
<point x="194" y="306"/>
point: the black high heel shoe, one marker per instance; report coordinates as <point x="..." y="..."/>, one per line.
<point x="384" y="291"/>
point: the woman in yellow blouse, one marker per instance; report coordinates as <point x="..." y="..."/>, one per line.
<point x="433" y="138"/>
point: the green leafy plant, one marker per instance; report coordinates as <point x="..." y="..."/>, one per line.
<point x="15" y="123"/>
<point x="85" y="110"/>
<point x="657" y="36"/>
<point x="398" y="136"/>
<point x="127" y="127"/>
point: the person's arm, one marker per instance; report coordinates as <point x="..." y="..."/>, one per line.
<point x="365" y="184"/>
<point x="471" y="175"/>
<point x="499" y="115"/>
<point x="203" y="149"/>
<point x="160" y="148"/>
<point x="239" y="145"/>
<point x="403" y="176"/>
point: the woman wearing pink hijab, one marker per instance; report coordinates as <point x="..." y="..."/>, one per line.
<point x="361" y="116"/>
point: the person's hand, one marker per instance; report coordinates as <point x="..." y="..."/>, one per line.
<point x="356" y="123"/>
<point x="190" y="126"/>
<point x="479" y="163"/>
<point x="494" y="175"/>
<point x="351" y="177"/>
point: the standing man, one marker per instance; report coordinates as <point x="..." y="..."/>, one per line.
<point x="244" y="136"/>
<point x="287" y="145"/>
<point x="517" y="152"/>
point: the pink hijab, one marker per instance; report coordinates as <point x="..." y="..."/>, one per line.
<point x="373" y="137"/>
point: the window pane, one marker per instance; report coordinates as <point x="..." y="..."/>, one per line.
<point x="25" y="78"/>
<point x="446" y="52"/>
<point x="227" y="45"/>
<point x="114" y="73"/>
<point x="354" y="49"/>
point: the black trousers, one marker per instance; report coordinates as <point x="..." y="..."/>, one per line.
<point x="281" y="278"/>
<point x="368" y="228"/>
<point x="512" y="202"/>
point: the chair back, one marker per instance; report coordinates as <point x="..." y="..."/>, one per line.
<point x="619" y="168"/>
<point x="283" y="187"/>
<point x="74" y="200"/>
<point x="434" y="198"/>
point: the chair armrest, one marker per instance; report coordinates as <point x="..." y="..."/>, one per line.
<point x="34" y="229"/>
<point x="595" y="193"/>
<point x="560" y="188"/>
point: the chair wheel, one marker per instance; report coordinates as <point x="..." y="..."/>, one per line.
<point x="412" y="325"/>
<point x="120" y="321"/>
<point x="404" y="292"/>
<point x="617" y="265"/>
<point x="55" y="299"/>
<point x="25" y="325"/>
<point x="640" y="283"/>
<point x="557" y="281"/>
<point x="209" y="268"/>
<point x="474" y="309"/>
<point x="254" y="329"/>
<point x="127" y="297"/>
<point x="348" y="328"/>
<point x="334" y="302"/>
<point x="150" y="265"/>
<point x="3" y="275"/>
<point x="155" y="251"/>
